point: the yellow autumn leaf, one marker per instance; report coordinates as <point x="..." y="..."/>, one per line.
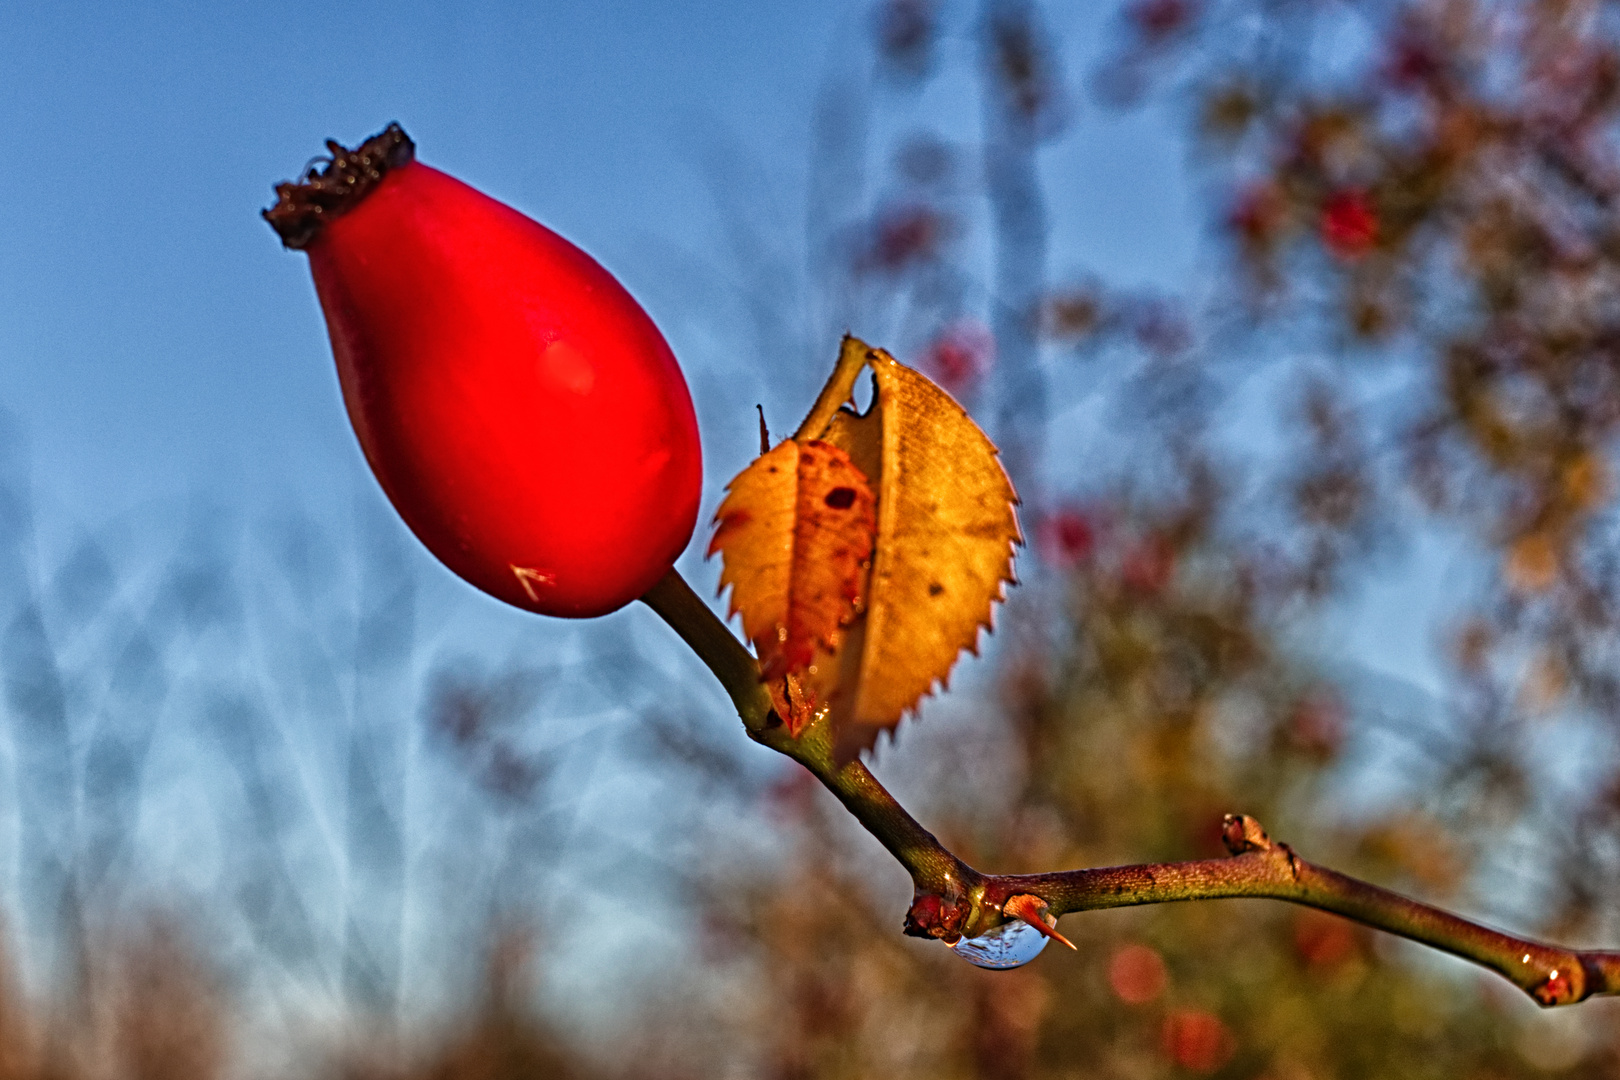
<point x="795" y="532"/>
<point x="944" y="550"/>
<point x="862" y="640"/>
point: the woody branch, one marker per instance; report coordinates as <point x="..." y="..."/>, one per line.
<point x="953" y="900"/>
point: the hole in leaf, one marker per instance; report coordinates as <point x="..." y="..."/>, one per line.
<point x="841" y="498"/>
<point x="865" y="392"/>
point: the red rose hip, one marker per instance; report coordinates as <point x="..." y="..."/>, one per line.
<point x="520" y="409"/>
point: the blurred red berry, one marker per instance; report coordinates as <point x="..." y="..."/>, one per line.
<point x="1324" y="941"/>
<point x="1136" y="974"/>
<point x="1349" y="224"/>
<point x="961" y="356"/>
<point x="1068" y="537"/>
<point x="1412" y="62"/>
<point x="904" y="235"/>
<point x="1197" y="1040"/>
<point x="1158" y="19"/>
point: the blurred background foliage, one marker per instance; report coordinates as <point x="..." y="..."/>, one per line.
<point x="1407" y="343"/>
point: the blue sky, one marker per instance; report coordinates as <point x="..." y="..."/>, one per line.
<point x="160" y="351"/>
<point x="155" y="341"/>
<point x="155" y="337"/>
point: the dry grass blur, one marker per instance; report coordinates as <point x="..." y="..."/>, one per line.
<point x="148" y="1008"/>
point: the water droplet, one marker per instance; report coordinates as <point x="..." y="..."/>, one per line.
<point x="1012" y="944"/>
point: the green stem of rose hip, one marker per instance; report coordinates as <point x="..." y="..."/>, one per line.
<point x="932" y="867"/>
<point x="675" y="602"/>
<point x="953" y="900"/>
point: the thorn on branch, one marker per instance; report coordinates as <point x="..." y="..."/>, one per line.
<point x="1033" y="910"/>
<point x="1241" y="834"/>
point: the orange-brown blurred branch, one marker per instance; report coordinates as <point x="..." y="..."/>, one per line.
<point x="1262" y="868"/>
<point x="953" y="900"/>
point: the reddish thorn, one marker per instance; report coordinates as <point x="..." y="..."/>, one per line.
<point x="1032" y="909"/>
<point x="1242" y="834"/>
